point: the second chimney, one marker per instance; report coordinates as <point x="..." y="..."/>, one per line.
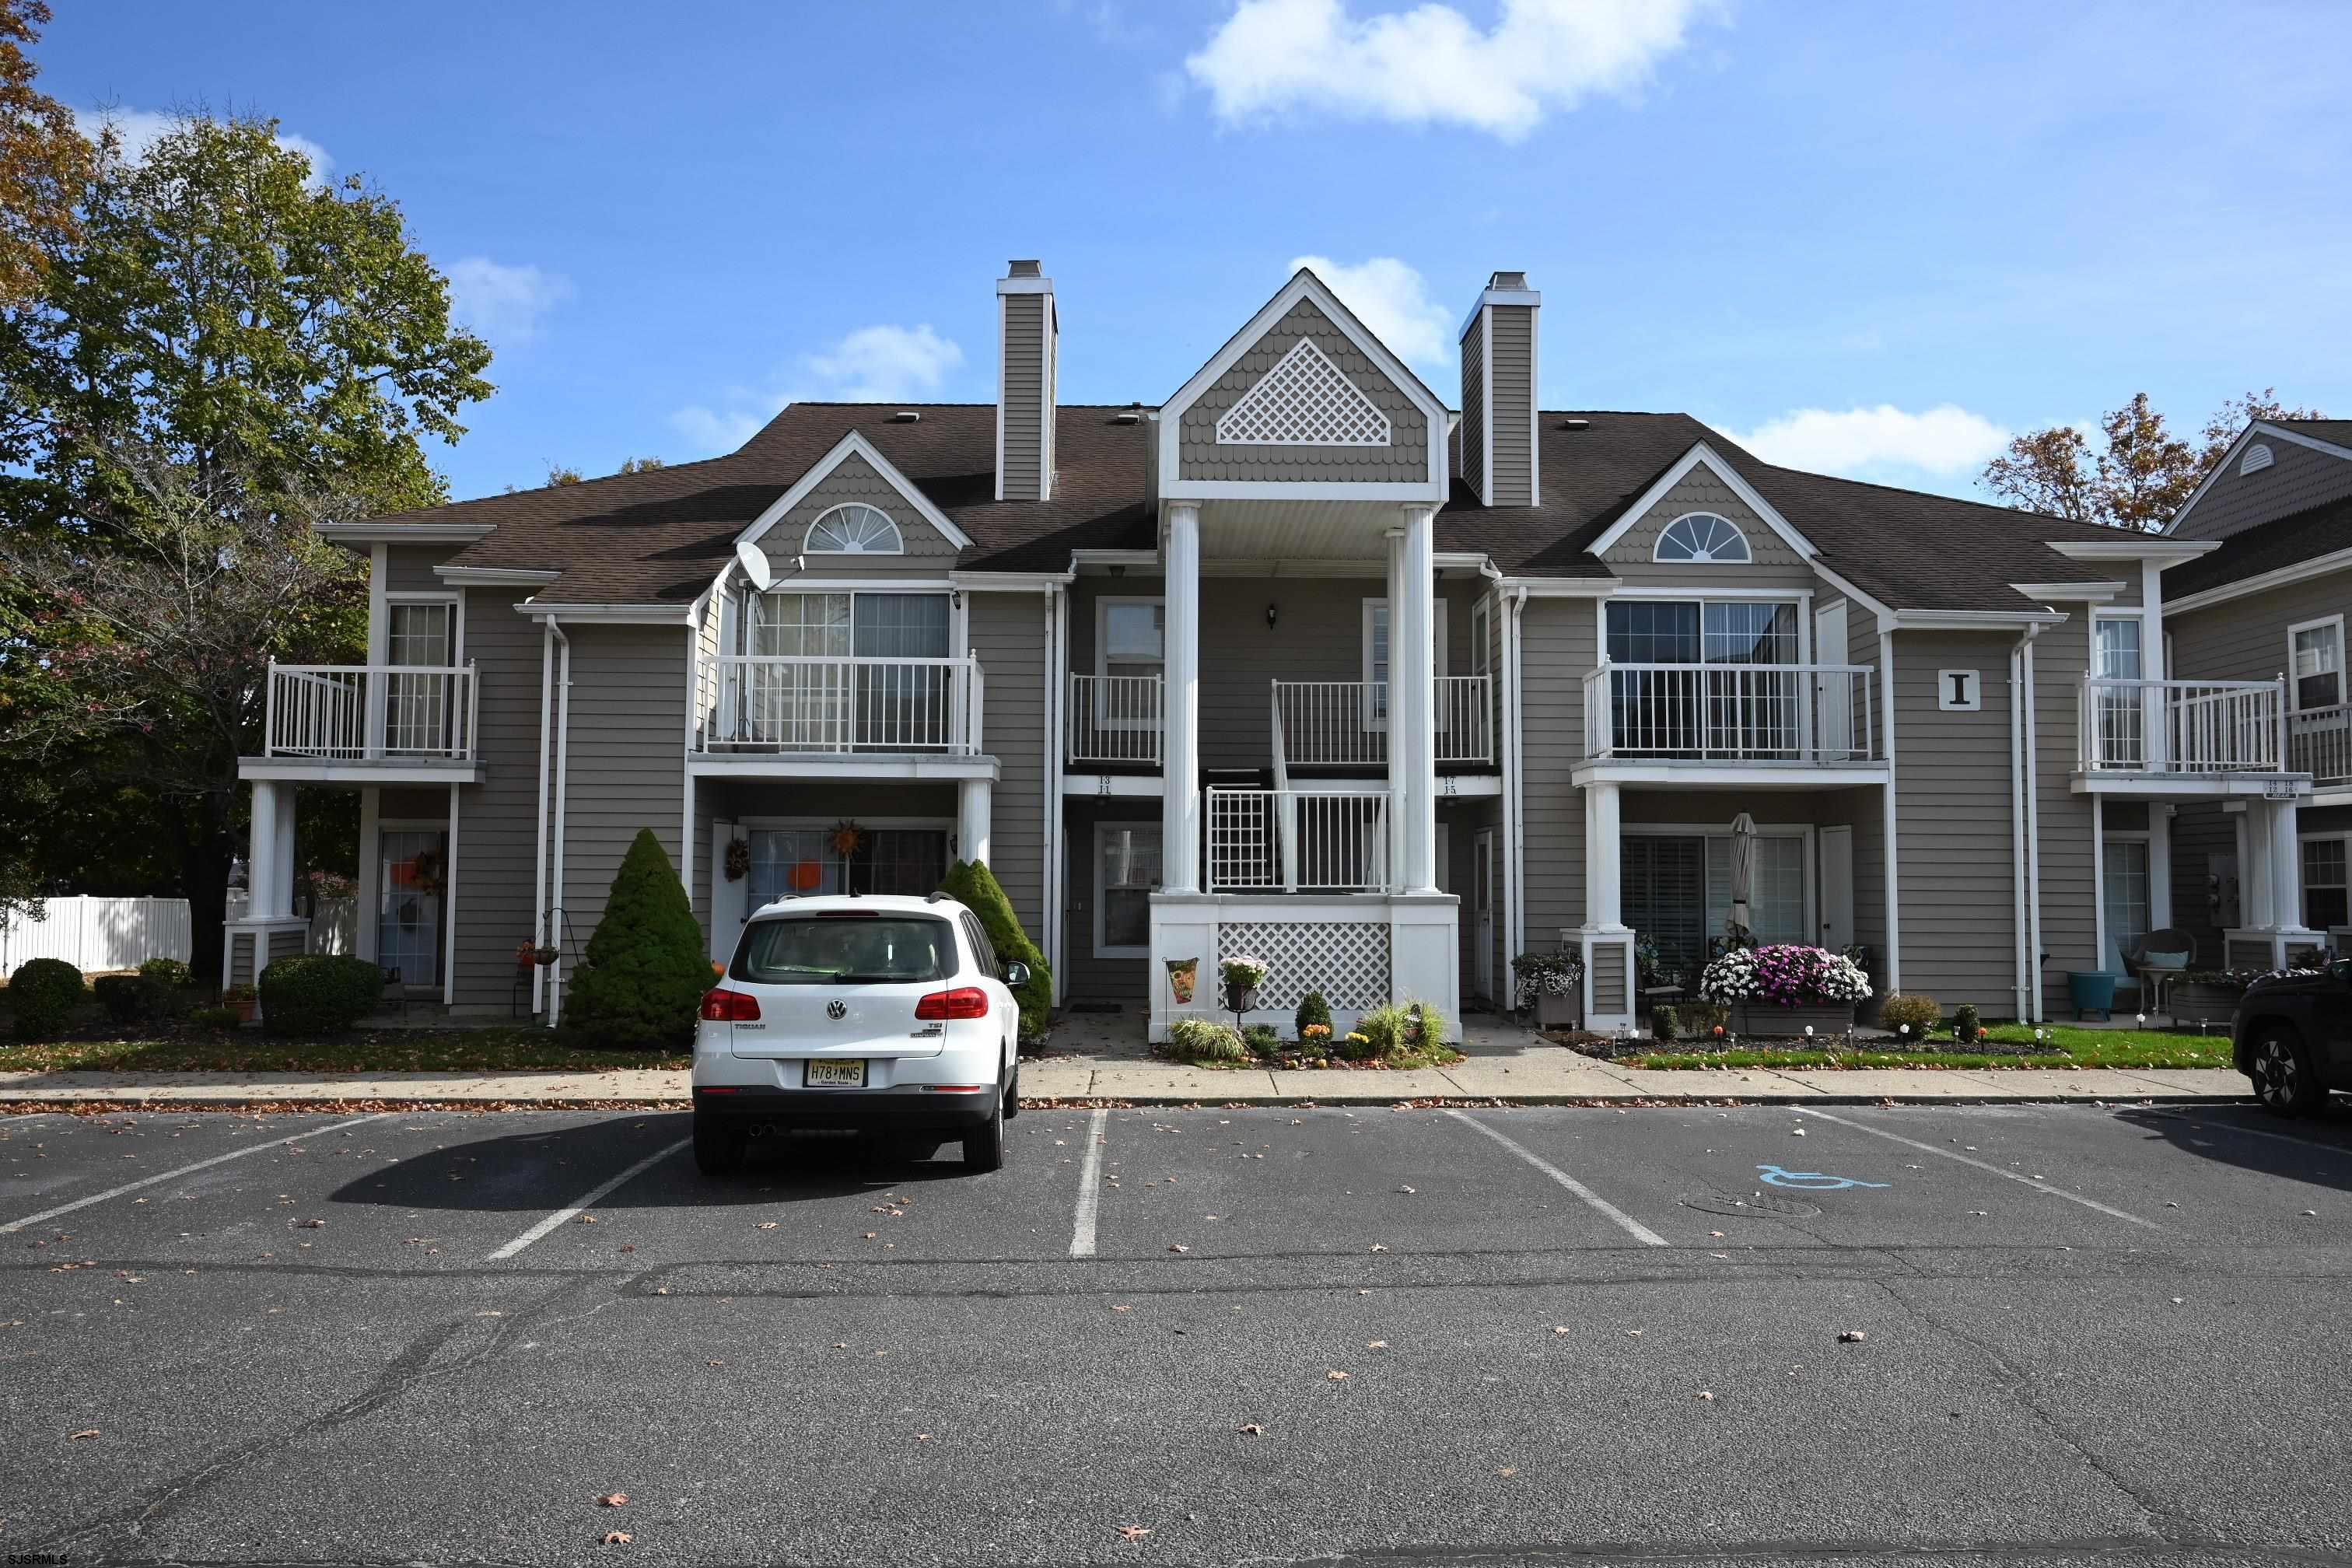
<point x="1028" y="337"/>
<point x="1498" y="394"/>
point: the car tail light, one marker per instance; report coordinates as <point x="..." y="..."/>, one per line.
<point x="963" y="1002"/>
<point x="721" y="1005"/>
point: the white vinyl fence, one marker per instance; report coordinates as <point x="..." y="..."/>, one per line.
<point x="99" y="934"/>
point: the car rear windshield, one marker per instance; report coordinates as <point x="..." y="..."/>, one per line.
<point x="832" y="950"/>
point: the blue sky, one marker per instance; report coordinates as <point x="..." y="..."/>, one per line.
<point x="1870" y="238"/>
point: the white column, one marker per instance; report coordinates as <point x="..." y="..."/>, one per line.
<point x="2160" y="865"/>
<point x="261" y="851"/>
<point x="1400" y="798"/>
<point x="1412" y="696"/>
<point x="449" y="906"/>
<point x="2286" y="868"/>
<point x="973" y="809"/>
<point x="1179" y="820"/>
<point x="1601" y="858"/>
<point x="2255" y="905"/>
<point x="281" y="888"/>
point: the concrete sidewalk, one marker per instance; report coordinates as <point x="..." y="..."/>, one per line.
<point x="1549" y="1076"/>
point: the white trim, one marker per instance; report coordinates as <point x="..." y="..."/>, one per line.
<point x="1486" y="404"/>
<point x="625" y="615"/>
<point x="2067" y="593"/>
<point x="1532" y="299"/>
<point x="854" y="443"/>
<point x="1747" y="552"/>
<point x="1706" y="591"/>
<point x="403" y="532"/>
<point x="1093" y="560"/>
<point x="1534" y="406"/>
<point x="1890" y="846"/>
<point x="2294" y="703"/>
<point x="2263" y="582"/>
<point x="1703" y="453"/>
<point x="897" y="534"/>
<point x="1560" y="587"/>
<point x="1743" y="775"/>
<point x="1109" y="786"/>
<point x="1009" y="581"/>
<point x="495" y="576"/>
<point x="378" y="576"/>
<point x="1001" y="342"/>
<point x="323" y="769"/>
<point x="2137" y="547"/>
<point x="2258" y="456"/>
<point x="1364" y="647"/>
<point x="1975" y="620"/>
<point x="1102" y="891"/>
<point x="789" y="766"/>
<point x="1102" y="633"/>
<point x="2269" y="431"/>
<point x="1303" y="285"/>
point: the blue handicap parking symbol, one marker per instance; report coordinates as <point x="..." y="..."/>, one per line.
<point x="1811" y="1181"/>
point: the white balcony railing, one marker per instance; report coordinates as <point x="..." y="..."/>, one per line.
<point x="1114" y="719"/>
<point x="760" y="702"/>
<point x="2183" y="726"/>
<point x="1297" y="840"/>
<point x="370" y="712"/>
<point x="2319" y="742"/>
<point x="1325" y="724"/>
<point x="1818" y="713"/>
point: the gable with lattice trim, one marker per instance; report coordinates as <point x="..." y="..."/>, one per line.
<point x="1303" y="401"/>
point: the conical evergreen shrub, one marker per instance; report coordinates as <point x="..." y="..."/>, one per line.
<point x="971" y="884"/>
<point x="645" y="971"/>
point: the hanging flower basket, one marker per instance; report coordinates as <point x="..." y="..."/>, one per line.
<point x="1242" y="976"/>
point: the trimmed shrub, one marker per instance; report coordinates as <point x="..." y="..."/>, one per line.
<point x="1262" y="1039"/>
<point x="128" y="998"/>
<point x="1664" y="1023"/>
<point x="215" y="1019"/>
<point x="971" y="884"/>
<point x="1312" y="1009"/>
<point x="1965" y="1024"/>
<point x="1700" y="1020"/>
<point x="169" y="972"/>
<point x="1205" y="1040"/>
<point x="319" y="993"/>
<point x="641" y="981"/>
<point x="1920" y="1013"/>
<point x="44" y="992"/>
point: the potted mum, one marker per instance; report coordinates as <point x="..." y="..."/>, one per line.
<point x="1242" y="976"/>
<point x="1550" y="983"/>
<point x="1785" y="989"/>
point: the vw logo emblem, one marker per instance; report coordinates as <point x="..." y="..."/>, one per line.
<point x="836" y="1011"/>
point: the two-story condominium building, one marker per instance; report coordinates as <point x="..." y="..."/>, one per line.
<point x="1297" y="660"/>
<point x="2256" y="881"/>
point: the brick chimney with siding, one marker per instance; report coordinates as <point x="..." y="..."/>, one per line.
<point x="1498" y="394"/>
<point x="1028" y="339"/>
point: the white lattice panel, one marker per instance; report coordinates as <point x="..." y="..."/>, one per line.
<point x="1303" y="401"/>
<point x="1347" y="961"/>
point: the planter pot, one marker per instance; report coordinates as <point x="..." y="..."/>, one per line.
<point x="1764" y="1018"/>
<point x="2202" y="1003"/>
<point x="1240" y="998"/>
<point x="1557" y="1010"/>
<point x="245" y="1009"/>
<point x="2092" y="991"/>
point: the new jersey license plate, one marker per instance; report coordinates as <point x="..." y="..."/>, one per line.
<point x="835" y="1072"/>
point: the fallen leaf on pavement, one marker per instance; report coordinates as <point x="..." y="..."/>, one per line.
<point x="1122" y="1309"/>
<point x="1132" y="1532"/>
<point x="1376" y="1344"/>
<point x="1178" y="1246"/>
<point x="768" y="1225"/>
<point x="1251" y="1428"/>
<point x="1851" y="1337"/>
<point x="1508" y="1471"/>
<point x="1561" y="1328"/>
<point x="1337" y="1377"/>
<point x="77" y="1437"/>
<point x="617" y="1538"/>
<point x="614" y="1500"/>
<point x="587" y="1219"/>
<point x="1706" y="1395"/>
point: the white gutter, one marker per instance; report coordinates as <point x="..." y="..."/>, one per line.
<point x="563" y="796"/>
<point x="1050" y="896"/>
<point x="1514" y="872"/>
<point x="2018" y="945"/>
<point x="539" y="864"/>
<point x="1893" y="899"/>
<point x="2033" y="833"/>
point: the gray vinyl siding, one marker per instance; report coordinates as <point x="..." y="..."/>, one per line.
<point x="1955" y="825"/>
<point x="1405" y="459"/>
<point x="1774" y="565"/>
<point x="1091" y="978"/>
<point x="498" y="819"/>
<point x="2204" y="841"/>
<point x="1557" y="646"/>
<point x="1008" y="633"/>
<point x="408" y="568"/>
<point x="2069" y="893"/>
<point x="1024" y="395"/>
<point x="1514" y="376"/>
<point x="706" y="792"/>
<point x="929" y="552"/>
<point x="2246" y="640"/>
<point x="1473" y="432"/>
<point x="628" y="756"/>
<point x="751" y="801"/>
<point x="2297" y="479"/>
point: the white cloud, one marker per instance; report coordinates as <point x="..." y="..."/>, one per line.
<point x="505" y="304"/>
<point x="1393" y="300"/>
<point x="1945" y="441"/>
<point x="885" y="363"/>
<point x="140" y="128"/>
<point x="1434" y="64"/>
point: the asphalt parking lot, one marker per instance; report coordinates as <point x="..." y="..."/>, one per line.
<point x="2085" y="1333"/>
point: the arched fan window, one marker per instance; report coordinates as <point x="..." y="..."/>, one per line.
<point x="1704" y="538"/>
<point x="854" y="528"/>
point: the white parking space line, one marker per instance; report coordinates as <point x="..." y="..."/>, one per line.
<point x="185" y="1170"/>
<point x="587" y="1200"/>
<point x="2314" y="1144"/>
<point x="1598" y="1205"/>
<point x="1979" y="1164"/>
<point x="1082" y="1226"/>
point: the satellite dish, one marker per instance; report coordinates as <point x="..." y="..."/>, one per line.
<point x="755" y="564"/>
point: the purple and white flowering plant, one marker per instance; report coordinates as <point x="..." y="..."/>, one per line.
<point x="1783" y="975"/>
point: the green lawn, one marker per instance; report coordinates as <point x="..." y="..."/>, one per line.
<point x="506" y="1048"/>
<point x="2066" y="1048"/>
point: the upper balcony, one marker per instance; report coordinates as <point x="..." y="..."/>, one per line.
<point x="855" y="716"/>
<point x="1808" y="721"/>
<point x="379" y="723"/>
<point x="1116" y="722"/>
<point x="2188" y="737"/>
<point x="2319" y="742"/>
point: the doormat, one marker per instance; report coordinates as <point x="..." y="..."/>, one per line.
<point x="1095" y="1008"/>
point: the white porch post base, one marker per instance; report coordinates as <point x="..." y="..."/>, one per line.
<point x="250" y="943"/>
<point x="1425" y="952"/>
<point x="1610" y="978"/>
<point x="2268" y="947"/>
<point x="973" y="816"/>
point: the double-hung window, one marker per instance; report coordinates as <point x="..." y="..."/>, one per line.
<point x="2316" y="654"/>
<point x="2122" y="706"/>
<point x="1126" y="865"/>
<point x="2326" y="899"/>
<point x="421" y="634"/>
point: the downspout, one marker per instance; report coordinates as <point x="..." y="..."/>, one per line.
<point x="1514" y="865"/>
<point x="539" y="864"/>
<point x="2033" y="831"/>
<point x="1894" y="897"/>
<point x="1052" y="892"/>
<point x="562" y="797"/>
<point x="2019" y="945"/>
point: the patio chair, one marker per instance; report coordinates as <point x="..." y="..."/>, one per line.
<point x="2157" y="960"/>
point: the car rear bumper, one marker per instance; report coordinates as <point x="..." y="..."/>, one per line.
<point x="843" y="1107"/>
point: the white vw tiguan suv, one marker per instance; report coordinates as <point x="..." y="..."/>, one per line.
<point x="882" y="1013"/>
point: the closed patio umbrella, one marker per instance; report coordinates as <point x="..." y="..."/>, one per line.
<point x="1743" y="870"/>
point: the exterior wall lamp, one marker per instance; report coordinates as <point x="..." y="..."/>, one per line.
<point x="1269" y="615"/>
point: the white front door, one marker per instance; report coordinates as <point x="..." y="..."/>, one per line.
<point x="1482" y="911"/>
<point x="1833" y="694"/>
<point x="1837" y="888"/>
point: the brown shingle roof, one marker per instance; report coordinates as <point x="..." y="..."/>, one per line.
<point x="663" y="536"/>
<point x="2282" y="542"/>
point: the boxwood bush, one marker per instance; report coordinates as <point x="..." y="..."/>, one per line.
<point x="971" y="884"/>
<point x="319" y="993"/>
<point x="43" y="992"/>
<point x="168" y="972"/>
<point x="1920" y="1013"/>
<point x="1312" y="1009"/>
<point x="645" y="970"/>
<point x="129" y="998"/>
